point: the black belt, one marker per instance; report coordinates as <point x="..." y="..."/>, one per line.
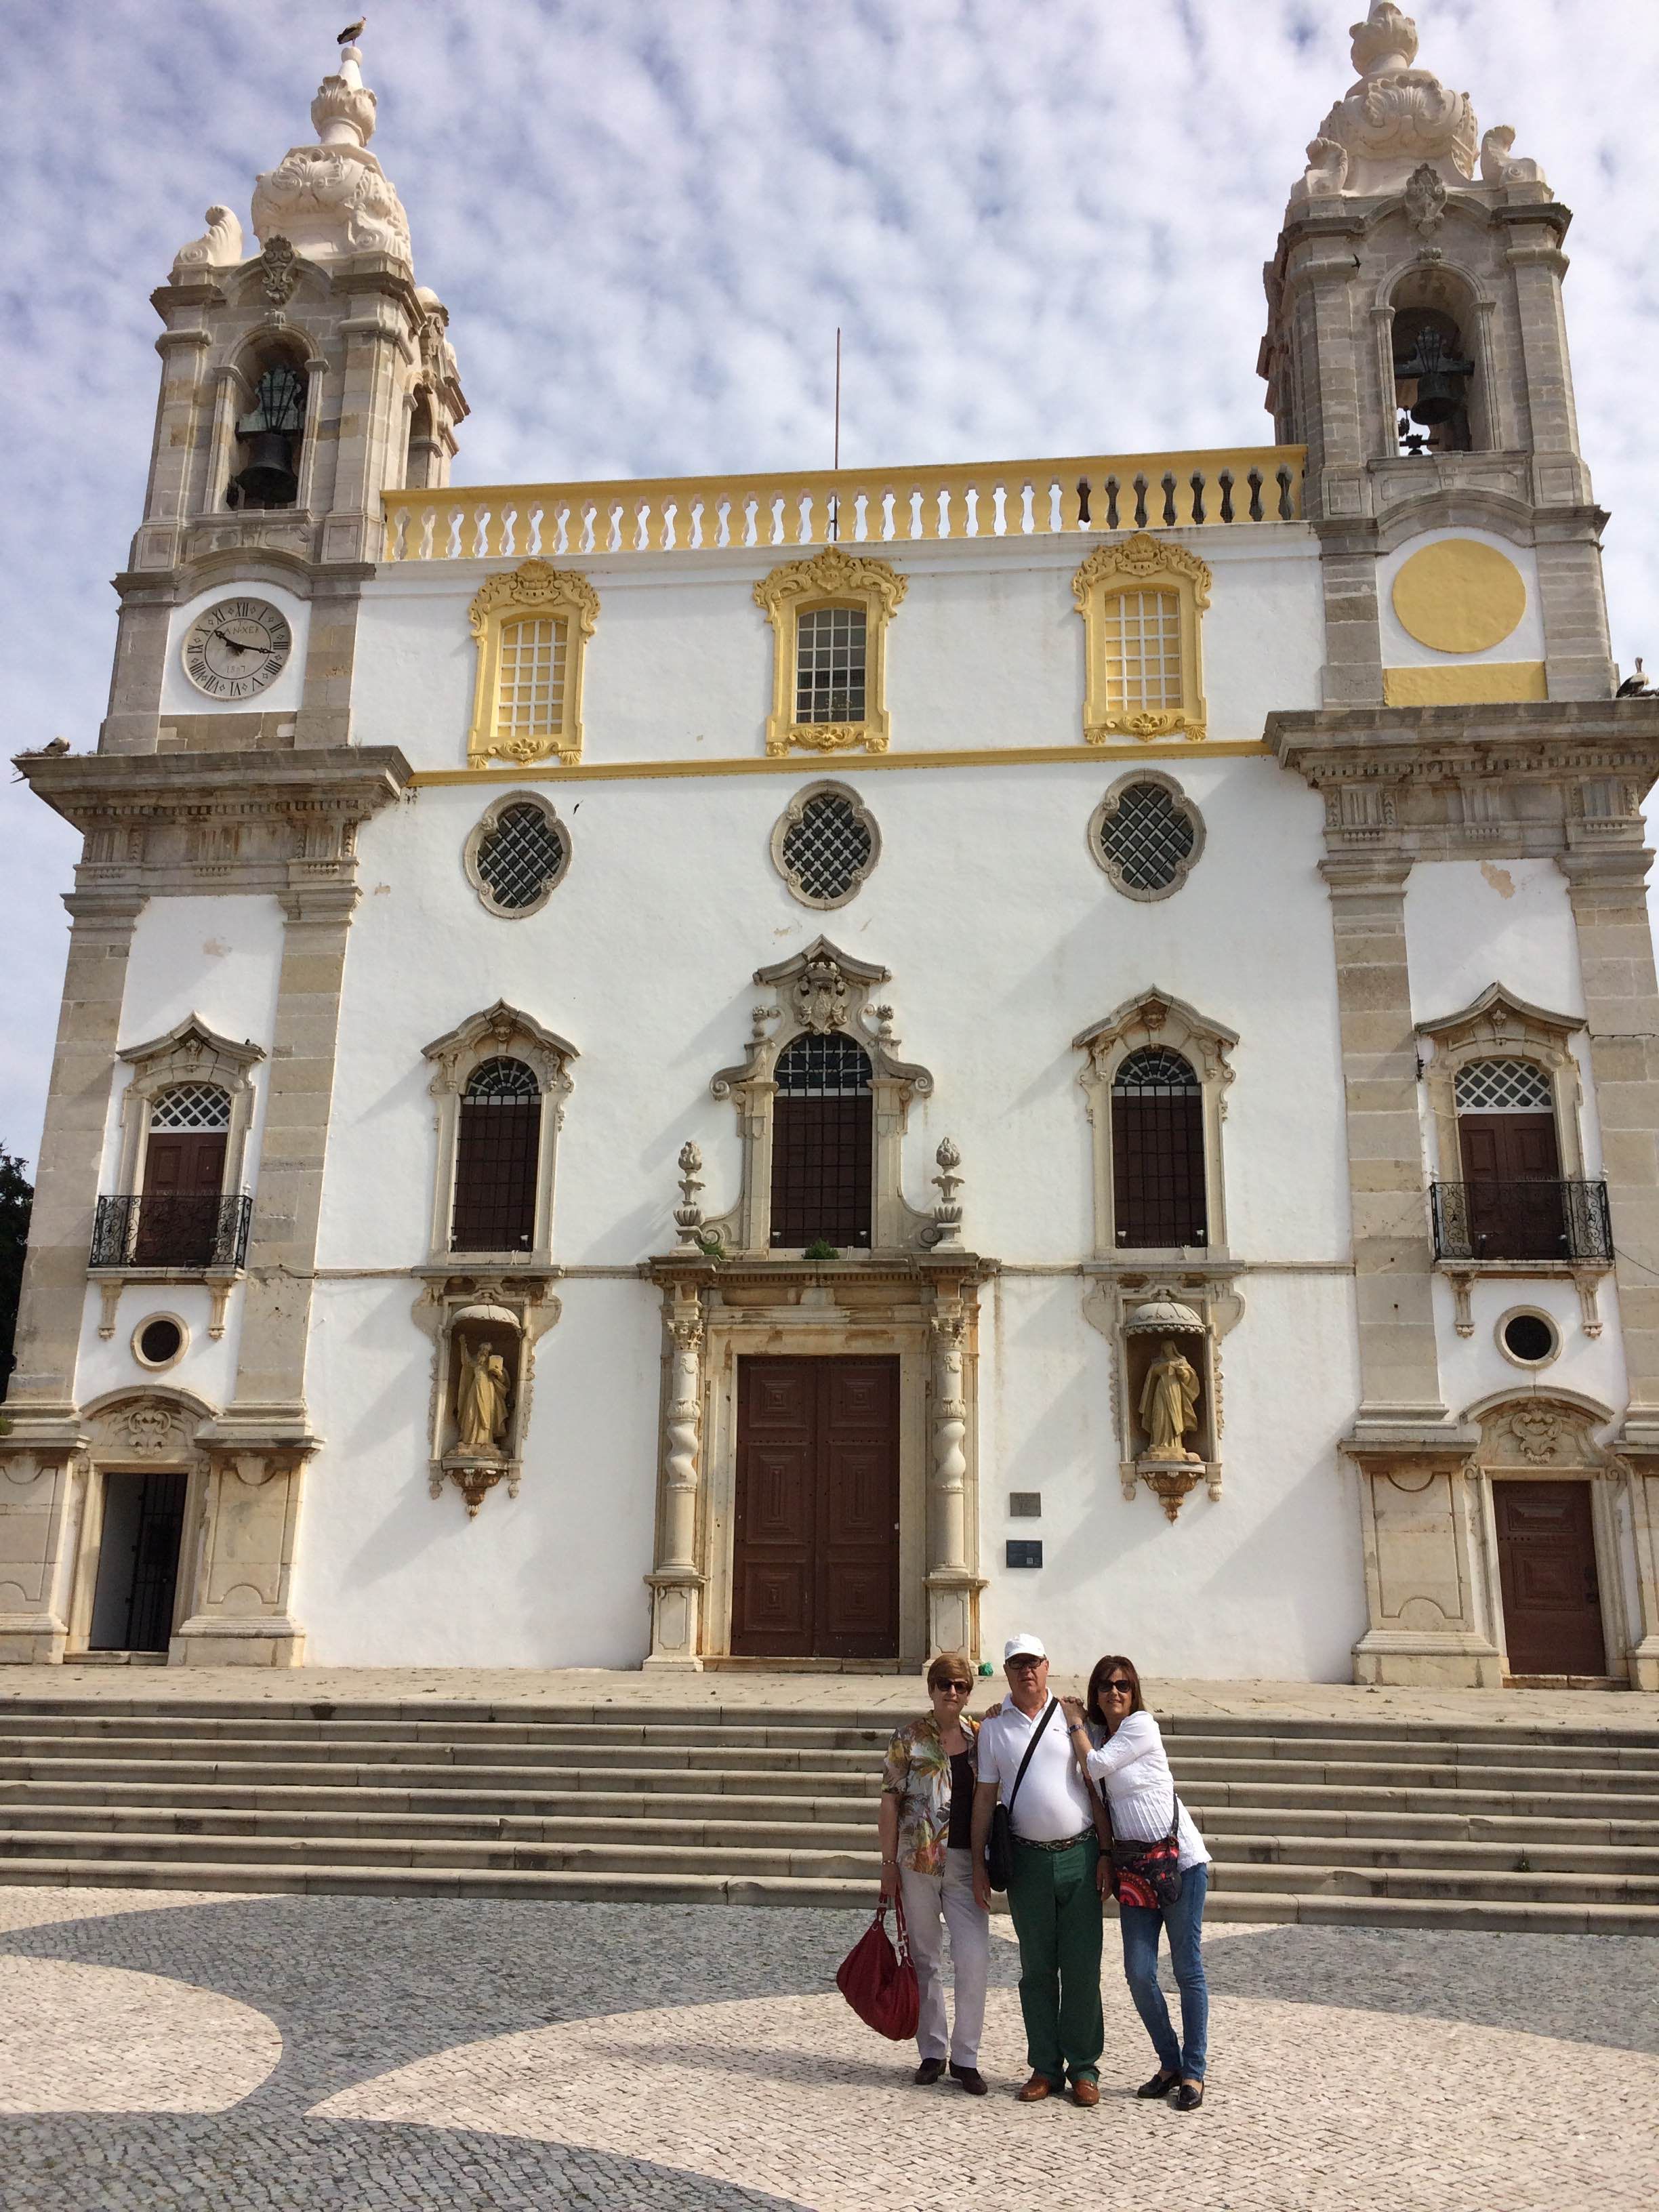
<point x="1061" y="1843"/>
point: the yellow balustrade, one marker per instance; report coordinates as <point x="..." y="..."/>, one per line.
<point x="862" y="507"/>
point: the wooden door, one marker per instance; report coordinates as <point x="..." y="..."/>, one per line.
<point x="815" y="1561"/>
<point x="178" y="1213"/>
<point x="1512" y="1170"/>
<point x="1547" y="1568"/>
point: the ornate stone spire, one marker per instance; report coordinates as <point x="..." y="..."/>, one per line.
<point x="333" y="198"/>
<point x="1394" y="120"/>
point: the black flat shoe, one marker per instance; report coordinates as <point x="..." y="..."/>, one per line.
<point x="1160" y="2085"/>
<point x="1189" y="2096"/>
<point x="971" y="2080"/>
<point x="928" y="2072"/>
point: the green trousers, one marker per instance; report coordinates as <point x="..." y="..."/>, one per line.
<point x="1057" y="1918"/>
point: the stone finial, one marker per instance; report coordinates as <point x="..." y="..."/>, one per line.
<point x="687" y="1214"/>
<point x="1396" y="119"/>
<point x="946" y="1226"/>
<point x="333" y="199"/>
<point x="219" y="246"/>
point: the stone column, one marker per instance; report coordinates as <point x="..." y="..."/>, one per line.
<point x="1608" y="890"/>
<point x="952" y="1586"/>
<point x="676" y="1581"/>
<point x="1391" y="1249"/>
<point x="261" y="1443"/>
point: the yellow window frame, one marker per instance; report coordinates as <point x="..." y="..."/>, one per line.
<point x="534" y="591"/>
<point x="1141" y="563"/>
<point x="829" y="579"/>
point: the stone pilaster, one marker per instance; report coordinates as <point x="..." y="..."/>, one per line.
<point x="1608" y="890"/>
<point x="71" y="1150"/>
<point x="676" y="1581"/>
<point x="1393" y="1254"/>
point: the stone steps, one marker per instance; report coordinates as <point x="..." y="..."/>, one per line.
<point x="1491" y="1827"/>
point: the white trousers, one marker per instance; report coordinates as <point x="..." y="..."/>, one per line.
<point x="933" y="1902"/>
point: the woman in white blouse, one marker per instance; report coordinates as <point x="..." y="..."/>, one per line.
<point x="1119" y="1746"/>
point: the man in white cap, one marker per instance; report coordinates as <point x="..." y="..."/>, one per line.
<point x="1051" y="1882"/>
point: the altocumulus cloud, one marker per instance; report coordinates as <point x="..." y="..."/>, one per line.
<point x="1041" y="224"/>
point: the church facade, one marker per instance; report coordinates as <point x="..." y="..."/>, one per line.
<point x="801" y="1069"/>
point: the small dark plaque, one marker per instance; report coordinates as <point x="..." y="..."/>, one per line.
<point x="1025" y="1505"/>
<point x="1022" y="1554"/>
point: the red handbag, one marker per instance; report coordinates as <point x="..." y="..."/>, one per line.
<point x="879" y="1981"/>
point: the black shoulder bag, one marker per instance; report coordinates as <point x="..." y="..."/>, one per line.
<point x="1000" y="1851"/>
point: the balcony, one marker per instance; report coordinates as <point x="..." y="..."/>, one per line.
<point x="871" y="507"/>
<point x="1524" y="1220"/>
<point x="170" y="1230"/>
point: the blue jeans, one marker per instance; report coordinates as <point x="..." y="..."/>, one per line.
<point x="1185" y="1920"/>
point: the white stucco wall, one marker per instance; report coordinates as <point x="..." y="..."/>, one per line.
<point x="987" y="648"/>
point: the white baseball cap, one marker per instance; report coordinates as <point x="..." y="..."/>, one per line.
<point x="1023" y="1647"/>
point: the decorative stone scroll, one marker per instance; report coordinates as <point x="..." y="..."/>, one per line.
<point x="333" y="199"/>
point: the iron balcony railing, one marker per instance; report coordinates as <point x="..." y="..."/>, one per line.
<point x="171" y="1231"/>
<point x="1527" y="1218"/>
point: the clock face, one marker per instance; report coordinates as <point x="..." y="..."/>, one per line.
<point x="237" y="648"/>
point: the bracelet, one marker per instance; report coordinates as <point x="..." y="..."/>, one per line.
<point x="890" y="1862"/>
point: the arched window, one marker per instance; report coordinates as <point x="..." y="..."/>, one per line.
<point x="829" y="617"/>
<point x="184" y="1176"/>
<point x="497" y="1146"/>
<point x="1142" y="599"/>
<point x="1157" y="1152"/>
<point x="269" y="437"/>
<point x="1511" y="1159"/>
<point x="531" y="624"/>
<point x="822" y="1143"/>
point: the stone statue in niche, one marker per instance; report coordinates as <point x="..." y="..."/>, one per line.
<point x="480" y="1391"/>
<point x="1169" y="1405"/>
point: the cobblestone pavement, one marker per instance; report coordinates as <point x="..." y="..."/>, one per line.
<point x="346" y="2054"/>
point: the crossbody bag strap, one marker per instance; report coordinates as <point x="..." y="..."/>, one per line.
<point x="1053" y="1704"/>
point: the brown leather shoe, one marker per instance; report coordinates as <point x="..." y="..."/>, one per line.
<point x="1086" y="2092"/>
<point x="1035" y="2091"/>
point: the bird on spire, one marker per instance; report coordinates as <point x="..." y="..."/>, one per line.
<point x="352" y="31"/>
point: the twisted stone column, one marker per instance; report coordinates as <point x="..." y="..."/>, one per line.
<point x="676" y="1581"/>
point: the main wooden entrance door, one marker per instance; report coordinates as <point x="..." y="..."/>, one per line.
<point x="815" y="1565"/>
<point x="1546" y="1568"/>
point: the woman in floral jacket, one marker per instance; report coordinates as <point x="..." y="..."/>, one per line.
<point x="926" y="1805"/>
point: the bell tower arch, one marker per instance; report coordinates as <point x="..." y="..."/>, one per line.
<point x="1417" y="345"/>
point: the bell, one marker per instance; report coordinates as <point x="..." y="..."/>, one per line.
<point x="269" y="479"/>
<point x="1438" y="373"/>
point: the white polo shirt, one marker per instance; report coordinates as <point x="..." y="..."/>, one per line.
<point x="1052" y="1801"/>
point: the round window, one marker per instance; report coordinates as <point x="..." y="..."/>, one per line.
<point x="1530" y="1337"/>
<point x="1147" y="835"/>
<point x="158" y="1341"/>
<point x="517" y="856"/>
<point x="825" y="844"/>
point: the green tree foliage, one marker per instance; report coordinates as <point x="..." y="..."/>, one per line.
<point x="16" y="1198"/>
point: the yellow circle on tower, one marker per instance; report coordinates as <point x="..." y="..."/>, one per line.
<point x="1459" y="596"/>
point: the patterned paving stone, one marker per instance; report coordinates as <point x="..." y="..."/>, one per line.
<point x="348" y="2055"/>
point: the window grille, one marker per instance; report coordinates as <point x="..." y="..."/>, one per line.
<point x="1147" y="839"/>
<point x="521" y="857"/>
<point x="829" y="664"/>
<point x="1157" y="1152"/>
<point x="828" y="851"/>
<point x="823" y="1138"/>
<point x="191" y="1106"/>
<point x="1503" y="1086"/>
<point x="1141" y="634"/>
<point x="530" y="688"/>
<point x="495" y="1160"/>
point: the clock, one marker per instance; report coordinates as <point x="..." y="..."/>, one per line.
<point x="237" y="648"/>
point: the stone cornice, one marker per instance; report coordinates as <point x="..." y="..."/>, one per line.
<point x="1446" y="782"/>
<point x="160" y="823"/>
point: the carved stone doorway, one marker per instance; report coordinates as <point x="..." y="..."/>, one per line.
<point x="1547" y="1573"/>
<point x="816" y="1541"/>
<point x="138" y="1581"/>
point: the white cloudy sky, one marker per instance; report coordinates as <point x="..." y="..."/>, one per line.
<point x="1041" y="224"/>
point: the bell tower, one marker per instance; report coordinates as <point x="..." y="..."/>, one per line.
<point x="298" y="383"/>
<point x="1416" y="344"/>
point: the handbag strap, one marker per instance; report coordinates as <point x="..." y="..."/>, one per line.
<point x="901" y="1934"/>
<point x="1053" y="1706"/>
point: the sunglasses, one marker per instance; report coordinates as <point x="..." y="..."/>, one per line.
<point x="1026" y="1662"/>
<point x="956" y="1689"/>
<point x="1119" y="1687"/>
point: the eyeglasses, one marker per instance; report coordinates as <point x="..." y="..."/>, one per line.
<point x="1119" y="1687"/>
<point x="1026" y="1661"/>
<point x="956" y="1689"/>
